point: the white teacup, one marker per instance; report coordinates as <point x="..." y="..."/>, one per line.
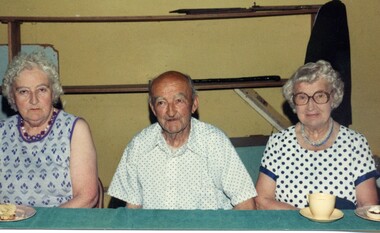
<point x="321" y="205"/>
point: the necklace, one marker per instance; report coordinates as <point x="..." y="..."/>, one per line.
<point x="320" y="142"/>
<point x="37" y="137"/>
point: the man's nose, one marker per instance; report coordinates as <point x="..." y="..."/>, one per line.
<point x="171" y="110"/>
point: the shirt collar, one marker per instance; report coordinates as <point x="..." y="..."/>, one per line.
<point x="193" y="143"/>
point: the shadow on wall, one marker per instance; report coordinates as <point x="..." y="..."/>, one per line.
<point x="6" y="109"/>
<point x="288" y="111"/>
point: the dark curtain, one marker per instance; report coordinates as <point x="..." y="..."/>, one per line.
<point x="330" y="41"/>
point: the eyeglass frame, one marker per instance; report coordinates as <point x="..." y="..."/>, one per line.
<point x="311" y="97"/>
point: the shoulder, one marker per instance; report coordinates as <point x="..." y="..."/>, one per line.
<point x="148" y="133"/>
<point x="81" y="124"/>
<point x="283" y="135"/>
<point x="351" y="136"/>
<point x="8" y="125"/>
<point x="201" y="129"/>
<point x="10" y="121"/>
<point x="147" y="138"/>
<point x="63" y="114"/>
<point x="349" y="132"/>
<point x="209" y="140"/>
<point x="72" y="123"/>
<point x="65" y="118"/>
<point x="282" y="140"/>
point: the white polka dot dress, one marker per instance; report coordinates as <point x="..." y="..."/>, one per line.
<point x="335" y="170"/>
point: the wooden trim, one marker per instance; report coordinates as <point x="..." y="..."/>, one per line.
<point x="143" y="88"/>
<point x="155" y="18"/>
<point x="14" y="39"/>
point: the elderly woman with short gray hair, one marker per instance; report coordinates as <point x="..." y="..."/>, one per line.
<point x="47" y="156"/>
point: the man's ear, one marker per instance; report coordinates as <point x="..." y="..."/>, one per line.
<point x="195" y="104"/>
<point x="152" y="108"/>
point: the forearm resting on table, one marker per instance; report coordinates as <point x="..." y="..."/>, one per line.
<point x="133" y="206"/>
<point x="366" y="193"/>
<point x="265" y="203"/>
<point x="81" y="202"/>
<point x="246" y="205"/>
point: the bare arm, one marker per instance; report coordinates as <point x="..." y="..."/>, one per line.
<point x="265" y="200"/>
<point x="246" y="205"/>
<point x="133" y="206"/>
<point x="83" y="168"/>
<point x="366" y="193"/>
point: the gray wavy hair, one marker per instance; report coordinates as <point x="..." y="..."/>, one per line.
<point x="23" y="61"/>
<point x="311" y="72"/>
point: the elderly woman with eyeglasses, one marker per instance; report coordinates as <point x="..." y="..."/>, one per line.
<point x="317" y="154"/>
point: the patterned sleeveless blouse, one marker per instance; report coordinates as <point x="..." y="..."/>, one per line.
<point x="36" y="173"/>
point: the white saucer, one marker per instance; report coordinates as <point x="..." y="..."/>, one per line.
<point x="362" y="212"/>
<point x="337" y="214"/>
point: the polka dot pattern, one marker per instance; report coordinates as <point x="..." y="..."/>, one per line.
<point x="205" y="173"/>
<point x="333" y="170"/>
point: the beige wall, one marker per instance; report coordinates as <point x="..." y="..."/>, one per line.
<point x="128" y="53"/>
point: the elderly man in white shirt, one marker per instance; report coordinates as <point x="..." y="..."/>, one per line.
<point x="181" y="162"/>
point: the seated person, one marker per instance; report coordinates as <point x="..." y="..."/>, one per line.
<point x="181" y="162"/>
<point x="48" y="158"/>
<point x="317" y="154"/>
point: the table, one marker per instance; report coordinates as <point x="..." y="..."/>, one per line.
<point x="125" y="219"/>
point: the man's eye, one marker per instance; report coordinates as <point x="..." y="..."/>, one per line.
<point x="160" y="103"/>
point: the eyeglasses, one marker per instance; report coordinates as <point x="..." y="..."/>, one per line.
<point x="319" y="97"/>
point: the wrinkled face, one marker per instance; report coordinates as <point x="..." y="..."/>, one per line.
<point x="313" y="115"/>
<point x="33" y="96"/>
<point x="172" y="104"/>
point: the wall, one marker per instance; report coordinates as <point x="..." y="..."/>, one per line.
<point x="128" y="53"/>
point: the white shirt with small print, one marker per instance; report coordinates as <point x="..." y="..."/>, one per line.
<point x="205" y="173"/>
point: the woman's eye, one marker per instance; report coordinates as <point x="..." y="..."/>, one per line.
<point x="23" y="92"/>
<point x="320" y="95"/>
<point x="43" y="90"/>
<point x="301" y="97"/>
